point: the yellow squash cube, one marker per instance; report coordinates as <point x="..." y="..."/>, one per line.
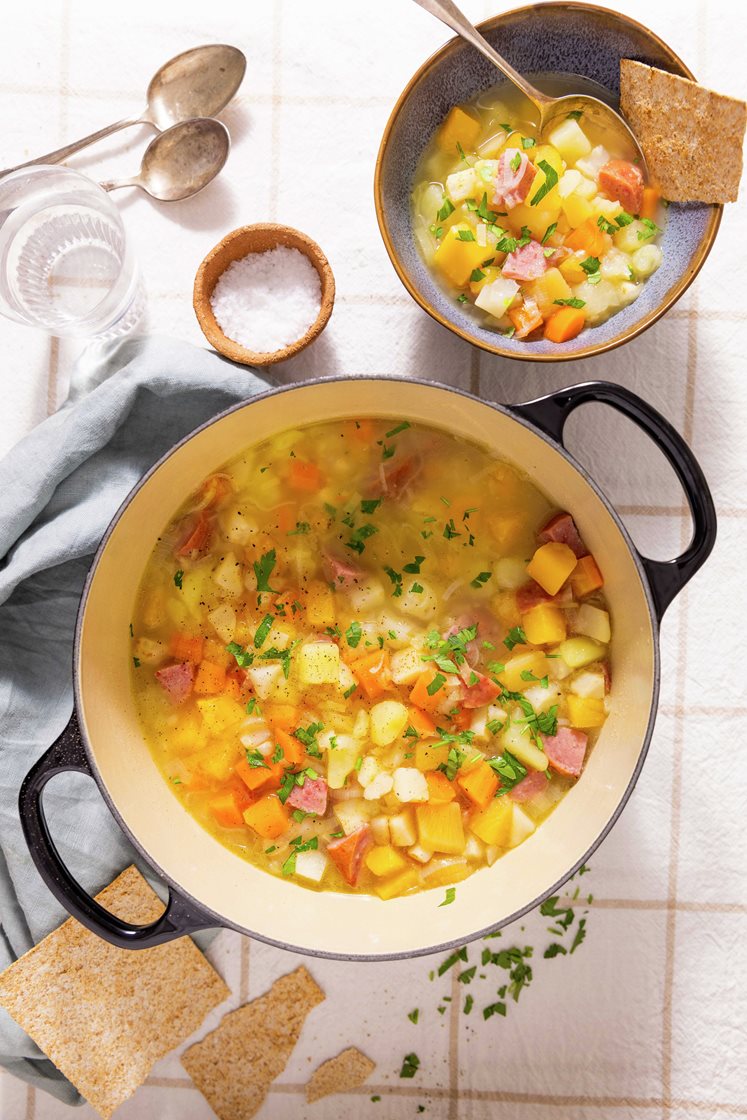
<point x="429" y="757"/>
<point x="218" y="761"/>
<point x="571" y="270"/>
<point x="458" y="258"/>
<point x="398" y="884"/>
<point x="544" y="624"/>
<point x="533" y="661"/>
<point x="493" y="823"/>
<point x="585" y="711"/>
<point x="535" y="218"/>
<point x="553" y="285"/>
<point x="320" y="605"/>
<point x="440" y="828"/>
<point x="551" y="565"/>
<point x="577" y="209"/>
<point x="385" y="860"/>
<point x="318" y="663"/>
<point x="458" y="128"/>
<point x="219" y="713"/>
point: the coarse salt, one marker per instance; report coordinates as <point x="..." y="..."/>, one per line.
<point x="266" y="301"/>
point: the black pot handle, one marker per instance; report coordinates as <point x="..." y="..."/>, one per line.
<point x="181" y="915"/>
<point x="666" y="577"/>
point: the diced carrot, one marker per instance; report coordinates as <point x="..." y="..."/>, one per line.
<point x="420" y="697"/>
<point x="241" y="795"/>
<point x="348" y="852"/>
<point x="461" y="720"/>
<point x="197" y="538"/>
<point x="258" y="777"/>
<point x="305" y="476"/>
<point x="564" y="324"/>
<point x="650" y="202"/>
<point x="525" y="318"/>
<point x="589" y="238"/>
<point x="363" y="431"/>
<point x="225" y="810"/>
<point x="586" y="577"/>
<point x="267" y="817"/>
<point x="283" y="716"/>
<point x="422" y="723"/>
<point x="372" y="673"/>
<point x="234" y="686"/>
<point x="439" y="787"/>
<point x="479" y="782"/>
<point x="210" y="679"/>
<point x="216" y="652"/>
<point x="185" y="647"/>
<point x="214" y="489"/>
<point x="286" y="517"/>
<point x="292" y="748"/>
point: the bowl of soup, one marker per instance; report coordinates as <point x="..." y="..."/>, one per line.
<point x="538" y="247"/>
<point x="366" y="667"/>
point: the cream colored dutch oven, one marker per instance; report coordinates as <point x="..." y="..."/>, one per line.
<point x="209" y="885"/>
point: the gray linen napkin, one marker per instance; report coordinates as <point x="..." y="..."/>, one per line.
<point x="59" y="489"/>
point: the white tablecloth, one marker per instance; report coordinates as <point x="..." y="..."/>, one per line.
<point x="648" y="1019"/>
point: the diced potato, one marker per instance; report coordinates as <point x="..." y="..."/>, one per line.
<point x="549" y="287"/>
<point x="593" y="622"/>
<point x="557" y="668"/>
<point x="193" y="590"/>
<point x="479" y="724"/>
<point x="458" y="128"/>
<point x="345" y="678"/>
<point x="410" y="785"/>
<point x="440" y="828"/>
<point x="384" y="860"/>
<point x="318" y="663"/>
<point x="544" y="624"/>
<point x="568" y="182"/>
<point x="422" y="604"/>
<point x="633" y="236"/>
<point x="379" y="787"/>
<point x="154" y="610"/>
<point x="585" y="712"/>
<point x="646" y="260"/>
<point x="219" y="713"/>
<point x="320" y="605"/>
<point x="406" y="666"/>
<point x="577" y="210"/>
<point x="311" y="865"/>
<point x="402" y="831"/>
<point x="360" y="725"/>
<point x="223" y="621"/>
<point x="615" y="265"/>
<point x="457" y="258"/>
<point x="352" y="814"/>
<point x="398" y="884"/>
<point x="237" y="526"/>
<point x="420" y="854"/>
<point x="380" y="829"/>
<point x="591" y="165"/>
<point x="577" y="652"/>
<point x="587" y="189"/>
<point x="462" y="184"/>
<point x="263" y="677"/>
<point x="485" y="170"/>
<point x="517" y="740"/>
<point x="229" y="575"/>
<point x="522" y="826"/>
<point x="532" y="661"/>
<point x="542" y="699"/>
<point x="341" y="760"/>
<point x="366" y="595"/>
<point x="496" y="298"/>
<point x="149" y="651"/>
<point x="493" y="823"/>
<point x="510" y="572"/>
<point x="570" y="140"/>
<point x="369" y="768"/>
<point x="551" y="566"/>
<point x="589" y="684"/>
<point x="388" y="719"/>
<point x="474" y="849"/>
<point x="609" y="208"/>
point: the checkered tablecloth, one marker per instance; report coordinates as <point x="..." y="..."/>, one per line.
<point x="648" y="1018"/>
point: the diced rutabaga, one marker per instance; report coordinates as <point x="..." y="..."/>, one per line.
<point x="510" y="572"/>
<point x="368" y="770"/>
<point x="149" y="651"/>
<point x="588" y="684"/>
<point x="237" y="527"/>
<point x="570" y="140"/>
<point x="364" y="596"/>
<point x="223" y="621"/>
<point x="646" y="260"/>
<point x="522" y="826"/>
<point x="497" y="297"/>
<point x="229" y="575"/>
<point x="380" y="829"/>
<point x="420" y="855"/>
<point x="263" y="677"/>
<point x="517" y="740"/>
<point x="410" y="785"/>
<point x="615" y="265"/>
<point x="318" y="663"/>
<point x="406" y="666"/>
<point x="311" y="865"/>
<point x="591" y="165"/>
<point x="402" y="830"/>
<point x="461" y="185"/>
<point x="593" y="622"/>
<point x="542" y="699"/>
<point x="388" y="719"/>
<point x="579" y="652"/>
<point x="422" y="604"/>
<point x="379" y="787"/>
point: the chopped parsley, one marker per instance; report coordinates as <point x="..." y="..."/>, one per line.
<point x="263" y="570"/>
<point x="574" y="302"/>
<point x="467" y="976"/>
<point x="264" y="628"/>
<point x="256" y="760"/>
<point x="468" y="1003"/>
<point x="450" y="530"/>
<point x="396" y="581"/>
<point x="551" y="179"/>
<point x="476" y="276"/>
<point x="410" y="1065"/>
<point x="244" y="657"/>
<point x="353" y="634"/>
<point x="575" y="115"/>
<point x="370" y="505"/>
<point x="509" y="770"/>
<point x="414" y="567"/>
<point x="298" y="845"/>
<point x="359" y="535"/>
<point x="178" y="577"/>
<point x="480" y="579"/>
<point x="465" y="235"/>
<point x="515" y="637"/>
<point x="650" y="228"/>
<point x="302" y="527"/>
<point x="493" y="1009"/>
<point x="349" y="691"/>
<point x="605" y="225"/>
<point x="590" y="265"/>
<point x="414" y="1015"/>
<point x="417" y="589"/>
<point x="458" y="955"/>
<point x="396" y="431"/>
<point x="446" y="209"/>
<point x="515" y="163"/>
<point x="136" y="662"/>
<point x="548" y="233"/>
<point x="624" y="219"/>
<point x="528" y="142"/>
<point x="438" y="682"/>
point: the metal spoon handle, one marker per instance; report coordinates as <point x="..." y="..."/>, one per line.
<point x="61" y="154"/>
<point x="448" y="13"/>
<point x="115" y="184"/>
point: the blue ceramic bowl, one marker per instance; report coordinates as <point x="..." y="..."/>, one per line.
<point x="558" y="39"/>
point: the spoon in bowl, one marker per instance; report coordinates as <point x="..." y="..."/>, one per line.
<point x="180" y="161"/>
<point x="197" y="83"/>
<point x="549" y="108"/>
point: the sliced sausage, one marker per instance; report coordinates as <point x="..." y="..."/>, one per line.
<point x="177" y="681"/>
<point x="511" y="187"/>
<point x="311" y="797"/>
<point x="527" y="262"/>
<point x="562" y="528"/>
<point x="348" y="852"/>
<point x="622" y="180"/>
<point x="566" y="751"/>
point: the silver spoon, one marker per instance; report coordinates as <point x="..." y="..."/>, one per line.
<point x="198" y="83"/>
<point x="549" y="108"/>
<point x="180" y="161"/>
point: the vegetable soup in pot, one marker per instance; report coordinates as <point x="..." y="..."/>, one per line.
<point x="370" y="656"/>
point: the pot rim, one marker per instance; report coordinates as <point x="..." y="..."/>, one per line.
<point x="636" y="329"/>
<point x="221" y="920"/>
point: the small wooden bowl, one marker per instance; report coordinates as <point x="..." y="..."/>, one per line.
<point x="236" y="245"/>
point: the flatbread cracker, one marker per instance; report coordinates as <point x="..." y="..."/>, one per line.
<point x="691" y="137"/>
<point x="234" y="1066"/>
<point x="348" y="1070"/>
<point x="104" y="1015"/>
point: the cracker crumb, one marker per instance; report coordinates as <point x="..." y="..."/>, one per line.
<point x="349" y="1070"/>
